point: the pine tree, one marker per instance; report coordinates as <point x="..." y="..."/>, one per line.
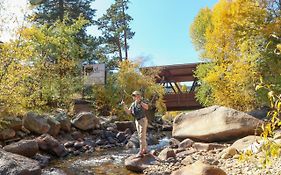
<point x="50" y="11"/>
<point x="115" y="29"/>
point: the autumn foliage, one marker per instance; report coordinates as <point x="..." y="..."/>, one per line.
<point x="120" y="85"/>
<point x="238" y="48"/>
<point x="40" y="70"/>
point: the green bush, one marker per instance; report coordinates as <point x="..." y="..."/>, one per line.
<point x="204" y="90"/>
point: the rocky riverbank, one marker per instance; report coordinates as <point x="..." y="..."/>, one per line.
<point x="30" y="143"/>
<point x="211" y="141"/>
<point x="208" y="141"/>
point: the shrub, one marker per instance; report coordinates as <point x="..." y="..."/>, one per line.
<point x="120" y="85"/>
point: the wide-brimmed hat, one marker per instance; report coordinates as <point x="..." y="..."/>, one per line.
<point x="136" y="93"/>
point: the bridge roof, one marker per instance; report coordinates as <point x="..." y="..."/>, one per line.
<point x="175" y="73"/>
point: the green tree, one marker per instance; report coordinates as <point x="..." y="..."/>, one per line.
<point x="56" y="74"/>
<point x="48" y="12"/>
<point x="115" y="28"/>
<point x="40" y="68"/>
<point x="204" y="92"/>
<point x="270" y="61"/>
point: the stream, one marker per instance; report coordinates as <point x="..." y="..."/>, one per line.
<point x="105" y="162"/>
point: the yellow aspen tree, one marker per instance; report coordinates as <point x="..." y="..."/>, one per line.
<point x="232" y="44"/>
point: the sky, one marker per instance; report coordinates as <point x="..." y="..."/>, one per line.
<point x="12" y="16"/>
<point x="161" y="29"/>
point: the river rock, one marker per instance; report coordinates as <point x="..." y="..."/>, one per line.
<point x="166" y="154"/>
<point x="16" y="164"/>
<point x="251" y="143"/>
<point x="139" y="164"/>
<point x="7" y="133"/>
<point x="43" y="160"/>
<point x="174" y="143"/>
<point x="207" y="146"/>
<point x="199" y="168"/>
<point x="27" y="148"/>
<point x="80" y="105"/>
<point x="36" y="123"/>
<point x="86" y="121"/>
<point x="123" y="125"/>
<point x="215" y="123"/>
<point x="54" y="126"/>
<point x="259" y="113"/>
<point x="186" y="143"/>
<point x="15" y="123"/>
<point x="244" y="142"/>
<point x="228" y="153"/>
<point x="64" y="121"/>
<point x="51" y="145"/>
<point x="121" y="137"/>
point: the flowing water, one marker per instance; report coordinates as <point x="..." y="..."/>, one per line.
<point x="107" y="162"/>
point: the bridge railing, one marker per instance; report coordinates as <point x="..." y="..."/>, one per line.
<point x="184" y="101"/>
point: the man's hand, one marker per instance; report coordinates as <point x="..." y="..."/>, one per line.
<point x="125" y="107"/>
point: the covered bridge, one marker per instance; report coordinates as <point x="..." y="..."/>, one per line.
<point x="172" y="78"/>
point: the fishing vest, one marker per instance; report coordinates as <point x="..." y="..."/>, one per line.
<point x="137" y="111"/>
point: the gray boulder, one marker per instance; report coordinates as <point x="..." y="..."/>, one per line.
<point x="27" y="148"/>
<point x="51" y="145"/>
<point x="86" y="121"/>
<point x="36" y="123"/>
<point x="7" y="133"/>
<point x="215" y="123"/>
<point x="16" y="164"/>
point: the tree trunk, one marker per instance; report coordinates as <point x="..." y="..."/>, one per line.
<point x="61" y="10"/>
<point x="119" y="49"/>
<point x="125" y="31"/>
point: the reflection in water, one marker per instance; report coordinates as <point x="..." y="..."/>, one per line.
<point x="108" y="162"/>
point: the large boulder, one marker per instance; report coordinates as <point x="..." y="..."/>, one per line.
<point x="215" y="123"/>
<point x="199" y="168"/>
<point x="36" y="123"/>
<point x="16" y="164"/>
<point x="138" y="164"/>
<point x="86" y="121"/>
<point x="27" y="148"/>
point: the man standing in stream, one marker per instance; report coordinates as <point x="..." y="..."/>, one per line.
<point x="137" y="109"/>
